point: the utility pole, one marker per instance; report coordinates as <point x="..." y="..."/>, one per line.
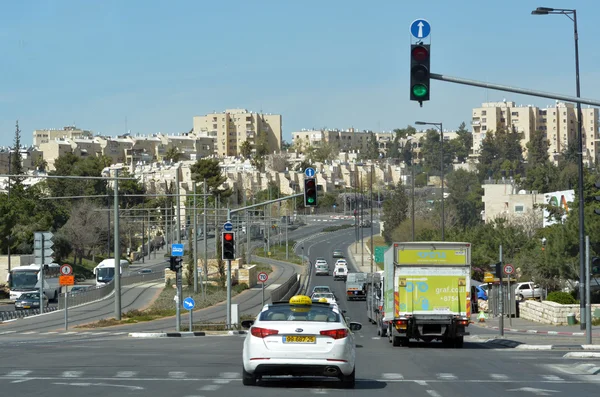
<point x="178" y="207"/>
<point x="362" y="234"/>
<point x="195" y="244"/>
<point x="371" y="208"/>
<point x="117" y="248"/>
<point x="205" y="234"/>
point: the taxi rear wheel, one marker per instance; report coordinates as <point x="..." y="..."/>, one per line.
<point x="349" y="381"/>
<point x="248" y="379"/>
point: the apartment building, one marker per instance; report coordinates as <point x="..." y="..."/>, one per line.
<point x="558" y="122"/>
<point x="69" y="132"/>
<point x="231" y="128"/>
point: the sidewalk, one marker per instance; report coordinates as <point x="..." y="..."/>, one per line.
<point x="362" y="258"/>
<point x="521" y="325"/>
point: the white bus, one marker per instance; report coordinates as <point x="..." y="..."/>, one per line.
<point x="105" y="271"/>
<point x="23" y="279"/>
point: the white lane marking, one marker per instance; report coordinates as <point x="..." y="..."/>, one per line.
<point x="222" y="381"/>
<point x="99" y="333"/>
<point x="552" y="378"/>
<point x="433" y="393"/>
<point x="499" y="376"/>
<point x="392" y="376"/>
<point x="209" y="387"/>
<point x="126" y="374"/>
<point x="7" y="332"/>
<point x="177" y="374"/>
<point x="28" y="332"/>
<point x="376" y="337"/>
<point x="50" y="333"/>
<point x="69" y="333"/>
<point x="230" y="375"/>
<point x="120" y="333"/>
<point x="446" y="376"/>
<point x="318" y="391"/>
<point x="19" y="373"/>
<point x="22" y="380"/>
<point x="421" y="382"/>
<point x="72" y="374"/>
<point x="87" y="384"/>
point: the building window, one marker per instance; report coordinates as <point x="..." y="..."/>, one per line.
<point x="483" y="112"/>
<point x="484" y="128"/>
<point x="484" y="120"/>
<point x="514" y="114"/>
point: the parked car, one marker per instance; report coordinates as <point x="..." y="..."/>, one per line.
<point x="528" y="290"/>
<point x="481" y="293"/>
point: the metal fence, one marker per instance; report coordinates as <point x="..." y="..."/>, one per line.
<point x="10" y="315"/>
<point x="95" y="293"/>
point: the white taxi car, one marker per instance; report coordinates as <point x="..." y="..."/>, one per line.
<point x="299" y="338"/>
<point x="327" y="296"/>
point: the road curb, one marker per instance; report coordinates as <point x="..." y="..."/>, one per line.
<point x="534" y="331"/>
<point x="512" y="344"/>
<point x="182" y="334"/>
<point x="589" y="368"/>
<point x="595" y="369"/>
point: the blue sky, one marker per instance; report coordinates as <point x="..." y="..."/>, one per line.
<point x="149" y="66"/>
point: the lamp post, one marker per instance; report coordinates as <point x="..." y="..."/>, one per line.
<point x="412" y="183"/>
<point x="572" y="15"/>
<point x="441" y="128"/>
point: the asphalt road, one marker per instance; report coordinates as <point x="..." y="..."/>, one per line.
<point x="107" y="365"/>
<point x="139" y="296"/>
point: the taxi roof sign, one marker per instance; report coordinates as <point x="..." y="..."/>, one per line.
<point x="323" y="300"/>
<point x="300" y="300"/>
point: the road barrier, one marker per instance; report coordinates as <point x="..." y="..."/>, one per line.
<point x="286" y="290"/>
<point x="94" y="293"/>
<point x="11" y="315"/>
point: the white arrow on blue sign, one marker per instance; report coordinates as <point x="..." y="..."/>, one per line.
<point x="228" y="226"/>
<point x="188" y="303"/>
<point x="177" y="249"/>
<point x="309" y="172"/>
<point x="420" y="28"/>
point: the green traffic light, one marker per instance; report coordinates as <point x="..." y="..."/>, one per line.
<point x="419" y="90"/>
<point x="310" y="200"/>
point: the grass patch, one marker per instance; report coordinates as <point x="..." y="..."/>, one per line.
<point x="278" y="253"/>
<point x="377" y="240"/>
<point x="164" y="306"/>
<point x="336" y="228"/>
<point x="263" y="268"/>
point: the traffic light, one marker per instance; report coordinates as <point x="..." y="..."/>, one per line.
<point x="228" y="244"/>
<point x="595" y="268"/>
<point x="310" y="192"/>
<point x="419" y="72"/>
<point x="175" y="263"/>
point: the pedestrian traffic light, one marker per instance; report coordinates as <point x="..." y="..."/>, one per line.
<point x="228" y="244"/>
<point x="595" y="268"/>
<point x="310" y="192"/>
<point x="419" y="72"/>
<point x="175" y="263"/>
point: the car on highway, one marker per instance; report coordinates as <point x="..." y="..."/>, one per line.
<point x="321" y="288"/>
<point x="30" y="300"/>
<point x="340" y="272"/>
<point x="78" y="288"/>
<point x="321" y="267"/>
<point x="528" y="290"/>
<point x="341" y="262"/>
<point x="328" y="296"/>
<point x="145" y="271"/>
<point x="338" y="254"/>
<point x="299" y="338"/>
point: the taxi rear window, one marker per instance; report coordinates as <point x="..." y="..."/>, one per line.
<point x="299" y="313"/>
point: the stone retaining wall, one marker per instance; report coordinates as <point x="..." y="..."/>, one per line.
<point x="549" y="312"/>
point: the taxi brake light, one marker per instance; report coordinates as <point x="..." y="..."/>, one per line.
<point x="262" y="332"/>
<point x="336" y="333"/>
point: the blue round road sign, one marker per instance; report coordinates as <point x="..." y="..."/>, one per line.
<point x="228" y="226"/>
<point x="188" y="303"/>
<point x="309" y="172"/>
<point x="420" y="28"/>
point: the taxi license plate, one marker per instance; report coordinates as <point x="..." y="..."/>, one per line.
<point x="26" y="307"/>
<point x="299" y="339"/>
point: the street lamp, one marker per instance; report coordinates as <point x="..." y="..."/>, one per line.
<point x="439" y="125"/>
<point x="412" y="180"/>
<point x="568" y="13"/>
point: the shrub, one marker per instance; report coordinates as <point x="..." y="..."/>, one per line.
<point x="564" y="298"/>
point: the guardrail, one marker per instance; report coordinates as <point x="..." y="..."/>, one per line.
<point x="95" y="293"/>
<point x="10" y="315"/>
<point x="280" y="293"/>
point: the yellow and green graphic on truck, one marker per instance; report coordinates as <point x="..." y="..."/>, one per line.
<point x="431" y="293"/>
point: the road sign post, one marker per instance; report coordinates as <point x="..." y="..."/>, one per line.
<point x="42" y="244"/>
<point x="420" y="29"/>
<point x="188" y="303"/>
<point x="262" y="278"/>
<point x="509" y="270"/>
<point x="177" y="249"/>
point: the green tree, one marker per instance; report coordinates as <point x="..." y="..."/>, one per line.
<point x="465" y="195"/>
<point x="304" y="164"/>
<point x="394" y="213"/>
<point x="210" y="170"/>
<point x="500" y="151"/>
<point x="129" y="189"/>
<point x="16" y="163"/>
<point x="172" y="154"/>
<point x="432" y="151"/>
<point x="321" y="154"/>
<point x="462" y="144"/>
<point x="220" y="261"/>
<point x="372" y="151"/>
<point x="246" y="149"/>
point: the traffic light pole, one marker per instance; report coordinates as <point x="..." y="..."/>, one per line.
<point x="588" y="295"/>
<point x="42" y="278"/>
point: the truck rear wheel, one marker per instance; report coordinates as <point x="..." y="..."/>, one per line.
<point x="459" y="342"/>
<point x="396" y="341"/>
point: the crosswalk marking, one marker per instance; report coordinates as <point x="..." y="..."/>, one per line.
<point x="499" y="376"/>
<point x="552" y="378"/>
<point x="392" y="376"/>
<point x="177" y="374"/>
<point x="19" y="373"/>
<point x="72" y="374"/>
<point x="446" y="376"/>
<point x="209" y="387"/>
<point x="126" y="374"/>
